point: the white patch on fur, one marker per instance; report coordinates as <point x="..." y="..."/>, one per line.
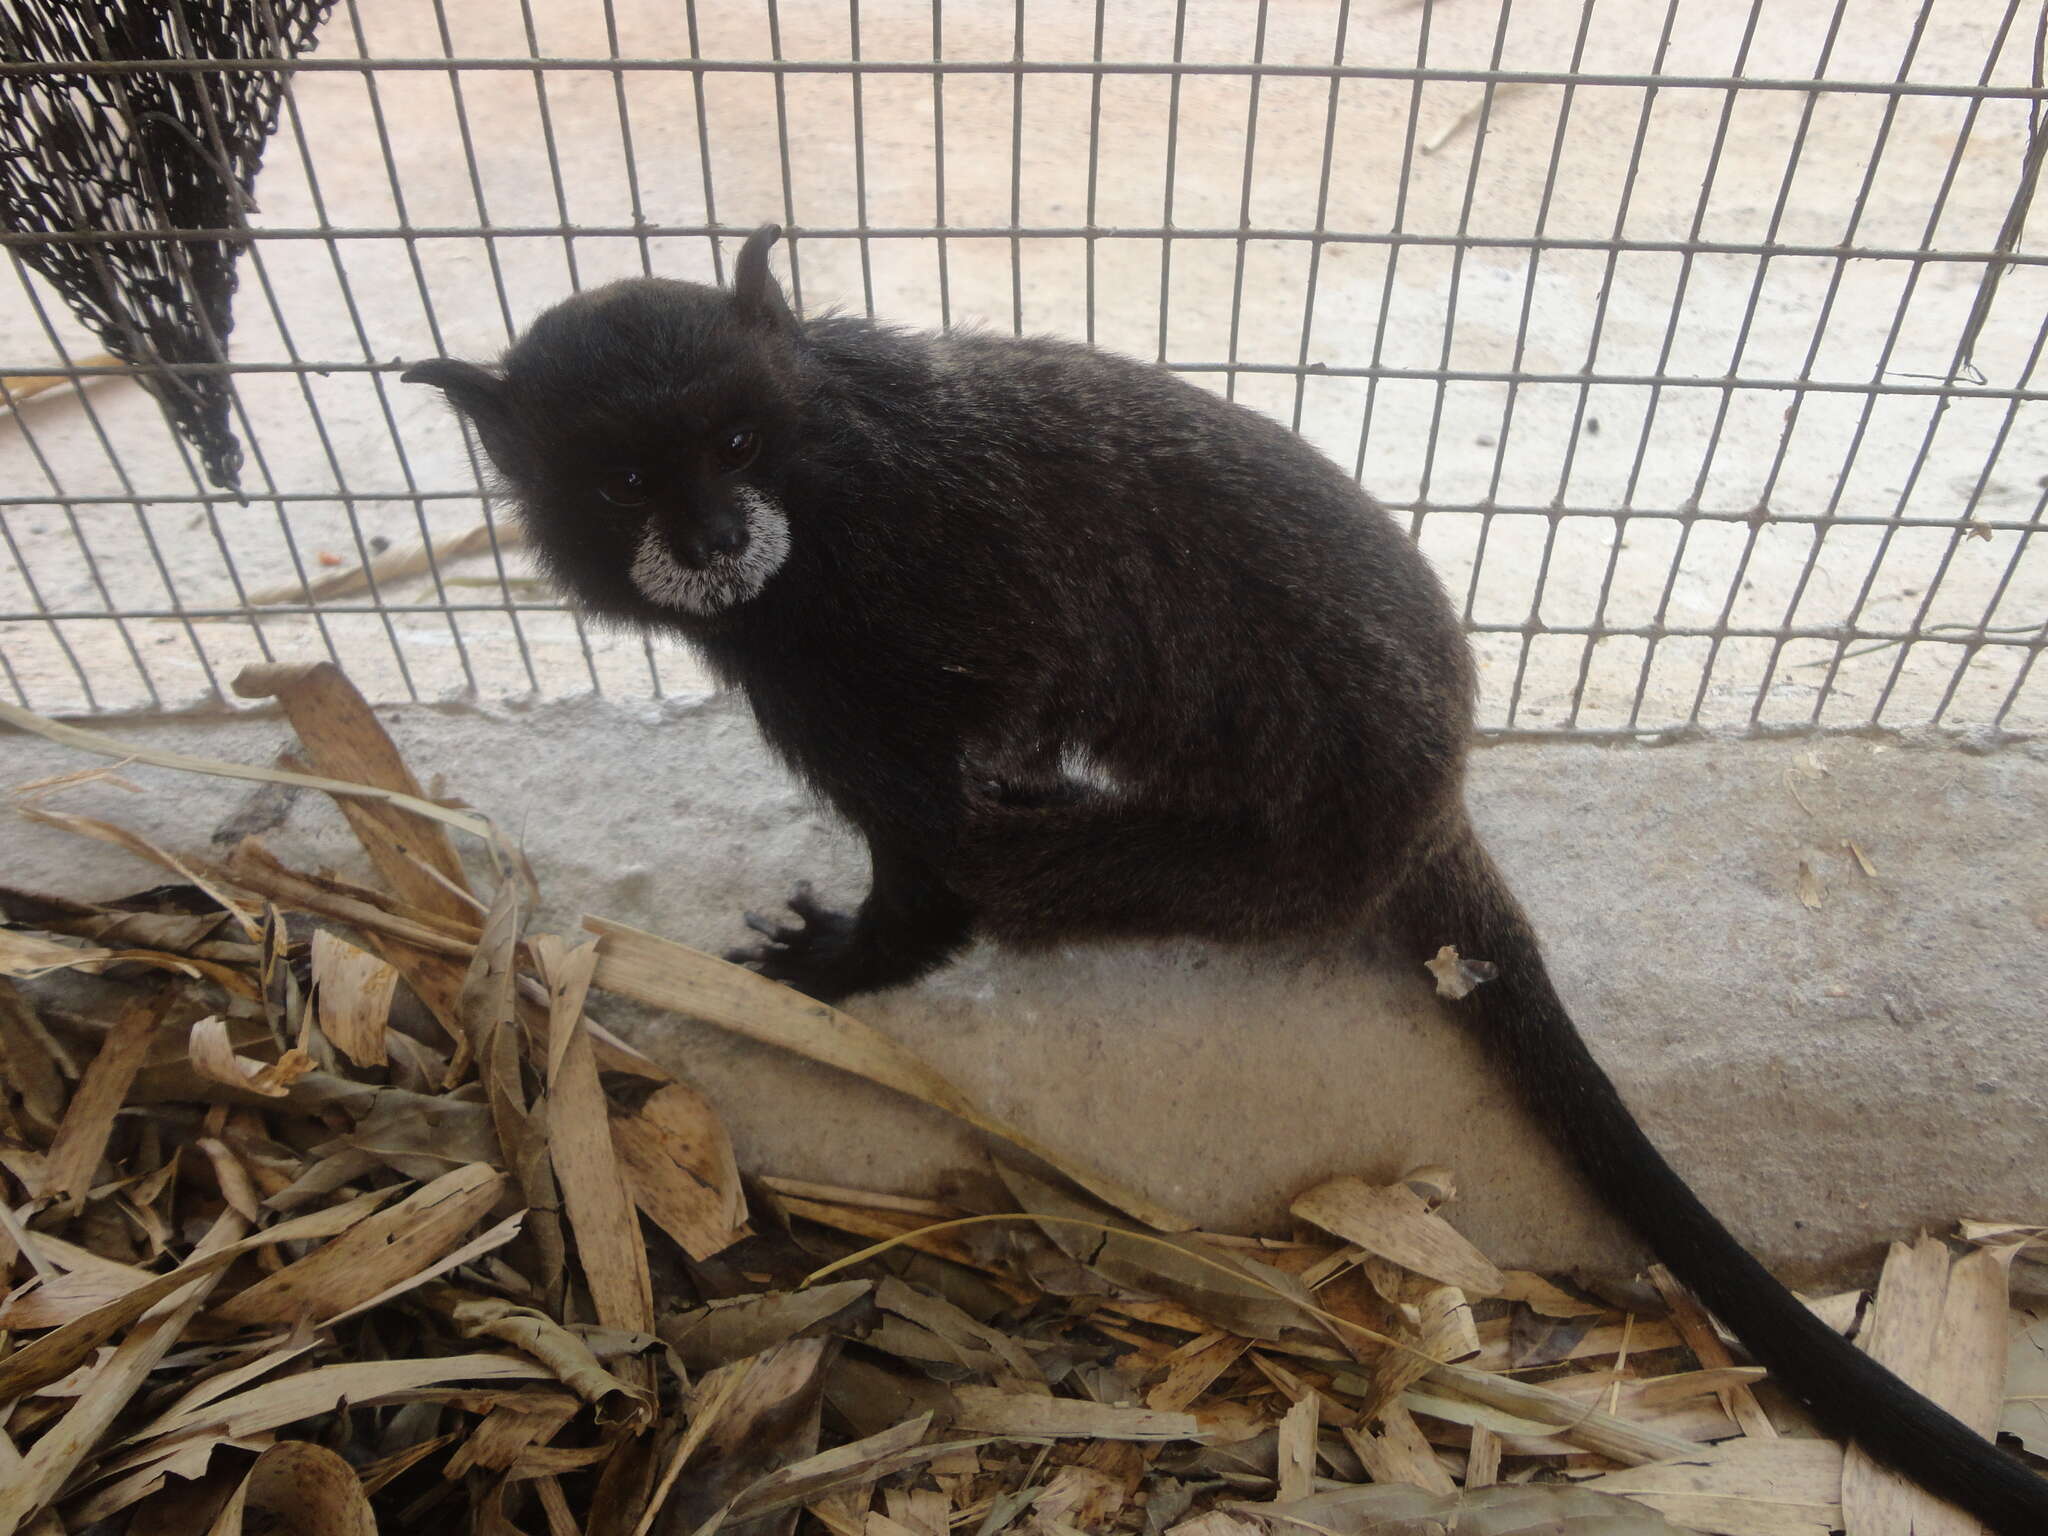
<point x="729" y="579"/>
<point x="1077" y="767"/>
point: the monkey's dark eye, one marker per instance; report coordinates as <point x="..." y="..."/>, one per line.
<point x="737" y="448"/>
<point x="623" y="488"/>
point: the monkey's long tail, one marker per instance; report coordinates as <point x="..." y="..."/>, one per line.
<point x="1463" y="901"/>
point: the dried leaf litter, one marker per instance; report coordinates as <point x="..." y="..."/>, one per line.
<point x="336" y="1206"/>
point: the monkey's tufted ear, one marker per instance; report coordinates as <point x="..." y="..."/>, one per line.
<point x="482" y="397"/>
<point x="476" y="392"/>
<point x="754" y="291"/>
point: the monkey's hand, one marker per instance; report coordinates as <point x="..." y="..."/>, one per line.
<point x="908" y="924"/>
<point x="819" y="954"/>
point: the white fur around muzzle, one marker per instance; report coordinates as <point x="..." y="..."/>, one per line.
<point x="727" y="580"/>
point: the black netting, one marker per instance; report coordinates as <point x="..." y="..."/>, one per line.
<point x="145" y="149"/>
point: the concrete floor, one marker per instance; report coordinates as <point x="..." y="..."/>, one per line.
<point x="1813" y="171"/>
<point x="1828" y="1077"/>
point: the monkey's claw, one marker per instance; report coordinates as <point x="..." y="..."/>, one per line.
<point x="811" y="954"/>
<point x="762" y="925"/>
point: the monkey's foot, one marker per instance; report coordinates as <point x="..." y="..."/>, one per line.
<point x="819" y="954"/>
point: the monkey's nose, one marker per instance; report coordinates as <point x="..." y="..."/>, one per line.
<point x="700" y="546"/>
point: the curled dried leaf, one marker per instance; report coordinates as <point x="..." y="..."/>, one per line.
<point x="353" y="990"/>
<point x="2024" y="1413"/>
<point x="27" y="956"/>
<point x="304" y="1488"/>
<point x="678" y="1162"/>
<point x="533" y="1332"/>
<point x="212" y="1054"/>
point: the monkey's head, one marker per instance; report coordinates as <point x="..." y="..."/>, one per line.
<point x="643" y="429"/>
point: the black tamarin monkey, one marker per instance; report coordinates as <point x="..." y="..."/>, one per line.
<point x="1084" y="650"/>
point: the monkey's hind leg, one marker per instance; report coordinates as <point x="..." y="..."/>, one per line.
<point x="909" y="924"/>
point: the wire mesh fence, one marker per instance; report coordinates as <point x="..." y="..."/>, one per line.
<point x="1696" y="342"/>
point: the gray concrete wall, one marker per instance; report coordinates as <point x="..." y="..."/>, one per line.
<point x="1829" y="1077"/>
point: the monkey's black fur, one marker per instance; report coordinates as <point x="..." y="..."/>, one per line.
<point x="1084" y="650"/>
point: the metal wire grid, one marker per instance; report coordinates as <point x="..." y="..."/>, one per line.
<point x="1612" y="586"/>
